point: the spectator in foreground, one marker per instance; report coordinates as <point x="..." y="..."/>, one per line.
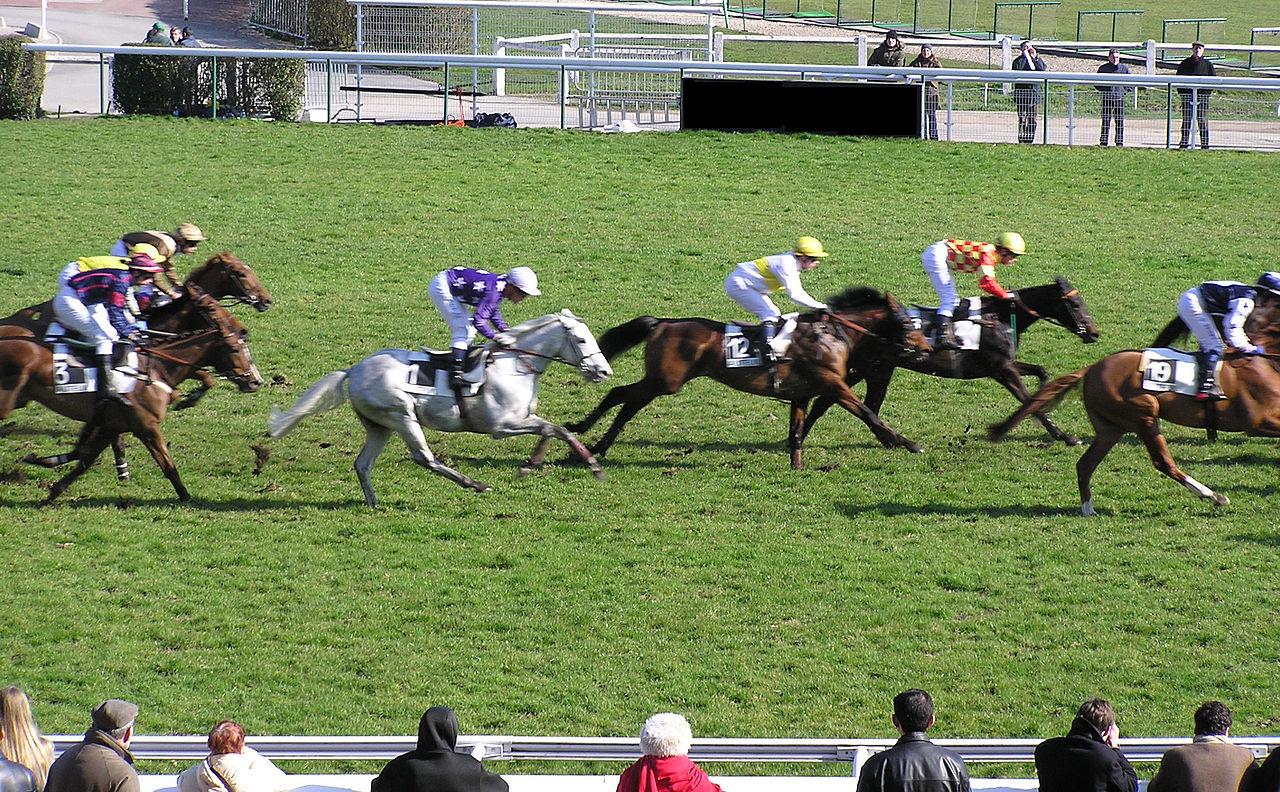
<point x="158" y="34"/>
<point x="914" y="763"/>
<point x="1211" y="763"/>
<point x="231" y="766"/>
<point x="434" y="766"/>
<point x="1195" y="66"/>
<point x="665" y="766"/>
<point x="1267" y="777"/>
<point x="1026" y="95"/>
<point x="1088" y="759"/>
<point x="927" y="60"/>
<point x="101" y="762"/>
<point x="1113" y="98"/>
<point x="20" y="738"/>
<point x="15" y="777"/>
<point x="888" y="53"/>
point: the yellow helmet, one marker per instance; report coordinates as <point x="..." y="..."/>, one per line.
<point x="148" y="250"/>
<point x="1012" y="242"/>
<point x="808" y="246"/>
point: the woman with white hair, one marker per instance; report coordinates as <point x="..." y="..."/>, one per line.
<point x="665" y="766"/>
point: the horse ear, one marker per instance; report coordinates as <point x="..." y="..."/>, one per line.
<point x="1063" y="283"/>
<point x="567" y="313"/>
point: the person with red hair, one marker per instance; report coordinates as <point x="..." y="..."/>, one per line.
<point x="665" y="766"/>
<point x="232" y="766"/>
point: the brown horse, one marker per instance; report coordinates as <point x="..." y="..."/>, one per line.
<point x="1117" y="404"/>
<point x="862" y="326"/>
<point x="209" y="336"/>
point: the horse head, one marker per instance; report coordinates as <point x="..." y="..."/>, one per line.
<point x="882" y="314"/>
<point x="911" y="337"/>
<point x="224" y="275"/>
<point x="230" y="355"/>
<point x="1263" y="324"/>
<point x="580" y="348"/>
<point x="1070" y="312"/>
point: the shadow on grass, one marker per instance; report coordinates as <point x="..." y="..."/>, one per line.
<point x="124" y="503"/>
<point x="886" y="509"/>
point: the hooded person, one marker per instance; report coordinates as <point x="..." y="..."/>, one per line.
<point x="665" y="766"/>
<point x="435" y="766"/>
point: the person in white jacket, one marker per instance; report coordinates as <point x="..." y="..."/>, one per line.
<point x="751" y="283"/>
<point x="231" y="766"/>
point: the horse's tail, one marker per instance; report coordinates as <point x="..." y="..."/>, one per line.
<point x="1171" y="333"/>
<point x="617" y="340"/>
<point x="329" y="392"/>
<point x="1046" y="399"/>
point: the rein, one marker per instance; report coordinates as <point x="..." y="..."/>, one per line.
<point x="156" y="353"/>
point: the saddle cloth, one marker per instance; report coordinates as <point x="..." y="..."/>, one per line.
<point x="965" y="322"/>
<point x="743" y="345"/>
<point x="429" y="372"/>
<point x="1166" y="370"/>
<point x="75" y="370"/>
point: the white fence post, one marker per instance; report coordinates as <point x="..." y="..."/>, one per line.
<point x="862" y="50"/>
<point x="1150" y="47"/>
<point x="500" y="74"/>
<point x="718" y="49"/>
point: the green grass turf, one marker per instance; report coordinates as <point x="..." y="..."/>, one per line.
<point x="702" y="575"/>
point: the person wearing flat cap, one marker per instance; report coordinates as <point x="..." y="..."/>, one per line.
<point x="101" y="762"/>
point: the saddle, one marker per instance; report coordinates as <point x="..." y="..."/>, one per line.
<point x="744" y="343"/>
<point x="429" y="371"/>
<point x="967" y="322"/>
<point x="75" y="368"/>
<point x="1168" y="370"/>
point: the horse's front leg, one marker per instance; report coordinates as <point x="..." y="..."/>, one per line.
<point x="1011" y="379"/>
<point x="837" y="390"/>
<point x="154" y="442"/>
<point x="535" y="459"/>
<point x="535" y="425"/>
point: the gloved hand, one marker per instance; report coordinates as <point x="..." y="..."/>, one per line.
<point x="504" y="339"/>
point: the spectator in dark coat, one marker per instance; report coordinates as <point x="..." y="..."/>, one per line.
<point x="1195" y="66"/>
<point x="1088" y="759"/>
<point x="927" y="60"/>
<point x="1113" y="98"/>
<point x="434" y="766"/>
<point x="1026" y="95"/>
<point x="1210" y="763"/>
<point x="888" y="53"/>
<point x="102" y="762"/>
<point x="1267" y="777"/>
<point x="914" y="764"/>
<point x="158" y="34"/>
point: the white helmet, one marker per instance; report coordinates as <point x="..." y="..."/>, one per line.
<point x="524" y="280"/>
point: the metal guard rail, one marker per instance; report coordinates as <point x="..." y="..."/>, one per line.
<point x="501" y="747"/>
<point x="802" y="71"/>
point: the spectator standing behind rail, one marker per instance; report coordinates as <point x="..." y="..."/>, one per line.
<point x="434" y="766"/>
<point x="927" y="60"/>
<point x="888" y="53"/>
<point x="20" y="737"/>
<point x="1088" y="759"/>
<point x="1113" y="98"/>
<point x="665" y="766"/>
<point x="231" y="766"/>
<point x="1211" y="763"/>
<point x="101" y="762"/>
<point x="914" y="763"/>
<point x="1195" y="66"/>
<point x="1026" y="95"/>
<point x="158" y="34"/>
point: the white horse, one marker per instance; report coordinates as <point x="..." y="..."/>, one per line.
<point x="379" y="392"/>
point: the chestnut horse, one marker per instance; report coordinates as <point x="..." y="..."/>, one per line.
<point x="1117" y="404"/>
<point x="208" y="336"/>
<point x="861" y="327"/>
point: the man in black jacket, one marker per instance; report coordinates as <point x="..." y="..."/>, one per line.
<point x="434" y="766"/>
<point x="1195" y="66"/>
<point x="1088" y="759"/>
<point x="914" y="764"/>
<point x="1112" y="98"/>
<point x="1026" y="95"/>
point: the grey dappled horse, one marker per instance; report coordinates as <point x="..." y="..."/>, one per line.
<point x="503" y="407"/>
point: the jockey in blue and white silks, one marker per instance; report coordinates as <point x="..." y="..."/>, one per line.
<point x="1230" y="303"/>
<point x="454" y="288"/>
<point x="751" y="282"/>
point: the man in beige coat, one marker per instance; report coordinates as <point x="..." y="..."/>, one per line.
<point x="1210" y="763"/>
<point x="102" y="762"/>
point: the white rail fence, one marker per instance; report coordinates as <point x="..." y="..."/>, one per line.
<point x="972" y="105"/>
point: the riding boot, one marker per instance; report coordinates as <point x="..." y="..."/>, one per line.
<point x="106" y="389"/>
<point x="457" y="361"/>
<point x="120" y="357"/>
<point x="947" y="333"/>
<point x="769" y="331"/>
<point x="1207" y="384"/>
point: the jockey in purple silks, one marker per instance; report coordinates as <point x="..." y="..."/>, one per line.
<point x="454" y="288"/>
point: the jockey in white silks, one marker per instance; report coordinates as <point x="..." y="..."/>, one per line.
<point x="752" y="282"/>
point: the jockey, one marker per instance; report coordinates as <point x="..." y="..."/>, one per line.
<point x="751" y="282"/>
<point x="183" y="240"/>
<point x="1232" y="302"/>
<point x="93" y="301"/>
<point x="962" y="255"/>
<point x="453" y="288"/>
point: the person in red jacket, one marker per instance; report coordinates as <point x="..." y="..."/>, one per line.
<point x="665" y="766"/>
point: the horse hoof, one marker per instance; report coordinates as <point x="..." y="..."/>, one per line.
<point x="913" y="448"/>
<point x="478" y="487"/>
<point x="1073" y="441"/>
<point x="598" y="473"/>
<point x="1220" y="499"/>
<point x="524" y="471"/>
<point x="1086" y="509"/>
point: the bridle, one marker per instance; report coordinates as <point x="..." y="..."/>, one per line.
<point x="229" y="337"/>
<point x="580" y="363"/>
<point x="1080" y="329"/>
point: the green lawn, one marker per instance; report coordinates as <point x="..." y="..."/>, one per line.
<point x="703" y="575"/>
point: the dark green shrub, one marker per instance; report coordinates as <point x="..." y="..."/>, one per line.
<point x="21" y="79"/>
<point x="169" y="85"/>
<point x="331" y="25"/>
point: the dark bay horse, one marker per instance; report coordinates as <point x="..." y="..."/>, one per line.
<point x="1117" y="404"/>
<point x="209" y="336"/>
<point x="1003" y="323"/>
<point x="862" y="327"/>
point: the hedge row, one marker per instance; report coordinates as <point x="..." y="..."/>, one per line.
<point x="331" y="25"/>
<point x="176" y="85"/>
<point x="21" y="79"/>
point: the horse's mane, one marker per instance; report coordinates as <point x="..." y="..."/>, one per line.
<point x="535" y="323"/>
<point x="855" y="298"/>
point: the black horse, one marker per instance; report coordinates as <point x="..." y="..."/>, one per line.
<point x="1002" y="323"/>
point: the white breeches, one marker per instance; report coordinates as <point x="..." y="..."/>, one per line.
<point x="751" y="299"/>
<point x="90" y="321"/>
<point x="1202" y="326"/>
<point x="939" y="272"/>
<point x="455" y="315"/>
